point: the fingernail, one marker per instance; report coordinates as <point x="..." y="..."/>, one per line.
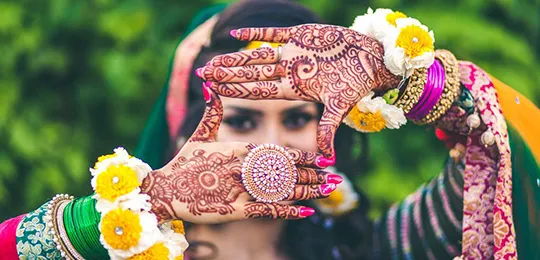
<point x="208" y="63"/>
<point x="207" y="84"/>
<point x="198" y="72"/>
<point x="205" y="92"/>
<point x="324" y="162"/>
<point x="306" y="212"/>
<point x="328" y="188"/>
<point x="233" y="33"/>
<point x="334" y="178"/>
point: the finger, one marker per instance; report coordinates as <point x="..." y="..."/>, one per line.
<point x="326" y="131"/>
<point x="213" y="114"/>
<point x="263" y="55"/>
<point x="250" y="90"/>
<point x="311" y="192"/>
<point x="249" y="73"/>
<point x="276" y="211"/>
<point x="311" y="176"/>
<point x="269" y="34"/>
<point x="308" y="159"/>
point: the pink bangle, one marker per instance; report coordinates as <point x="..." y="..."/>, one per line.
<point x="432" y="92"/>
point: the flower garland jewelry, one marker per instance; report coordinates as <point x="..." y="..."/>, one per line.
<point x="128" y="229"/>
<point x="408" y="44"/>
<point x="342" y="200"/>
<point x="374" y="114"/>
<point x="408" y="52"/>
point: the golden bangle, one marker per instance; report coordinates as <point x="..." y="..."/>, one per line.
<point x="55" y="215"/>
<point x="413" y="91"/>
<point x="451" y="87"/>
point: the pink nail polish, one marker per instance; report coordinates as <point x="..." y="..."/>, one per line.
<point x="207" y="84"/>
<point x="233" y="33"/>
<point x="334" y="178"/>
<point x="198" y="72"/>
<point x="205" y="92"/>
<point x="208" y="63"/>
<point x="328" y="188"/>
<point x="306" y="212"/>
<point x="324" y="162"/>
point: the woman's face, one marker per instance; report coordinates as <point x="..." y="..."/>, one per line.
<point x="285" y="123"/>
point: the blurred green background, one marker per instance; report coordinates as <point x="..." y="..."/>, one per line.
<point x="78" y="78"/>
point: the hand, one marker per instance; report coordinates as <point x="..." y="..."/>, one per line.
<point x="323" y="63"/>
<point x="203" y="183"/>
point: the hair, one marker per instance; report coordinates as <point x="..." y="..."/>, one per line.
<point x="320" y="236"/>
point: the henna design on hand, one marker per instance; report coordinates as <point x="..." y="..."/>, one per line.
<point x="329" y="64"/>
<point x="203" y="183"/>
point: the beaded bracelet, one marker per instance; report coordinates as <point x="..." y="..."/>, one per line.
<point x="413" y="91"/>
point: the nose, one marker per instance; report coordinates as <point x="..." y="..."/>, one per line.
<point x="274" y="135"/>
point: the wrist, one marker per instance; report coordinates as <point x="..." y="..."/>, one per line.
<point x="152" y="186"/>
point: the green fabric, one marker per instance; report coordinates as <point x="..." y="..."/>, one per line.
<point x="34" y="240"/>
<point x="525" y="198"/>
<point x="154" y="143"/>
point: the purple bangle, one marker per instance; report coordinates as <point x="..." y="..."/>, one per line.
<point x="435" y="86"/>
<point x="426" y="92"/>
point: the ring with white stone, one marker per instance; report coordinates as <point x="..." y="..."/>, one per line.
<point x="269" y="173"/>
<point x="279" y="50"/>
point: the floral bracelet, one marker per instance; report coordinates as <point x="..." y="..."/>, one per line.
<point x="128" y="229"/>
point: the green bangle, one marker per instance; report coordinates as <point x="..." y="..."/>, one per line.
<point x="85" y="210"/>
<point x="82" y="222"/>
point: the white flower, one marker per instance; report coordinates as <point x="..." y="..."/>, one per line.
<point x="342" y="200"/>
<point x="373" y="114"/>
<point x="141" y="168"/>
<point x="364" y="23"/>
<point x="133" y="200"/>
<point x="381" y="25"/>
<point x="176" y="242"/>
<point x="121" y="156"/>
<point x="149" y="235"/>
<point x="407" y="47"/>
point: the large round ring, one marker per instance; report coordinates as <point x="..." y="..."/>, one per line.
<point x="269" y="173"/>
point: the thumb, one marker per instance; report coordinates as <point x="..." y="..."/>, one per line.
<point x="213" y="114"/>
<point x="326" y="131"/>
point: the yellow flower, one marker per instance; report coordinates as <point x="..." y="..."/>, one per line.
<point x="258" y="44"/>
<point x="333" y="200"/>
<point x="415" y="41"/>
<point x="367" y="121"/>
<point x="180" y="257"/>
<point x="178" y="226"/>
<point x="116" y="181"/>
<point x="158" y="251"/>
<point x="393" y="16"/>
<point x="104" y="157"/>
<point x="121" y="229"/>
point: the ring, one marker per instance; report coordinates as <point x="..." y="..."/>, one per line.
<point x="269" y="173"/>
<point x="279" y="50"/>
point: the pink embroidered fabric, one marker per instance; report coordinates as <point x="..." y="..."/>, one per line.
<point x="488" y="228"/>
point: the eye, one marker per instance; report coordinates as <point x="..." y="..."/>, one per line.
<point x="241" y="123"/>
<point x="297" y="120"/>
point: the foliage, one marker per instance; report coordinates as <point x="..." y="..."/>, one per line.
<point x="78" y="78"/>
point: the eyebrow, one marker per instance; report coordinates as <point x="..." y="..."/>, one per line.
<point x="249" y="111"/>
<point x="293" y="110"/>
